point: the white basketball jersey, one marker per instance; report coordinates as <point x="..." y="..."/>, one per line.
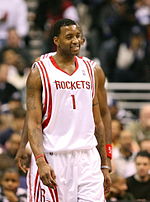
<point x="68" y="122"/>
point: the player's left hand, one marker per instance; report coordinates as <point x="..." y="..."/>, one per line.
<point x="107" y="181"/>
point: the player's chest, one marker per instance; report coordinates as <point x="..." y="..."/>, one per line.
<point x="78" y="80"/>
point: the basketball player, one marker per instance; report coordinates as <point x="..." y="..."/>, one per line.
<point x="106" y="118"/>
<point x="60" y="93"/>
<point x="21" y="158"/>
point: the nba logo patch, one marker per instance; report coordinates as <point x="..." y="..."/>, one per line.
<point x="83" y="72"/>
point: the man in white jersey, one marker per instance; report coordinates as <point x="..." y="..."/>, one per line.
<point x="21" y="156"/>
<point x="61" y="124"/>
<point x="104" y="110"/>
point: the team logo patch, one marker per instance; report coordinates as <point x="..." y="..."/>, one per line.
<point x="83" y="72"/>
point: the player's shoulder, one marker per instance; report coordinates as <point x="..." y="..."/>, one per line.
<point x="85" y="58"/>
<point x="95" y="65"/>
<point x="88" y="61"/>
<point x="47" y="55"/>
<point x="42" y="58"/>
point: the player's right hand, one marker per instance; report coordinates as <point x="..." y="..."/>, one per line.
<point x="22" y="159"/>
<point x="47" y="174"/>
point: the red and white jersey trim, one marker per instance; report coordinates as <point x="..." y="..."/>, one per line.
<point x="47" y="100"/>
<point x="91" y="75"/>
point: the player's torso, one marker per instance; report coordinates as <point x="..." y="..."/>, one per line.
<point x="67" y="102"/>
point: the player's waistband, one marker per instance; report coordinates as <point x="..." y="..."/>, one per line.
<point x="69" y="151"/>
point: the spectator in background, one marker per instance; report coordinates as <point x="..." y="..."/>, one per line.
<point x="10" y="149"/>
<point x="142" y="12"/>
<point x="17" y="66"/>
<point x="118" y="190"/>
<point x="145" y="145"/>
<point x="141" y="128"/>
<point x="139" y="183"/>
<point x="14" y="42"/>
<point x="14" y="103"/>
<point x="10" y="190"/>
<point x="14" y="15"/>
<point x="116" y="130"/>
<point x="6" y="162"/>
<point x="112" y="25"/>
<point x="130" y="62"/>
<point x="124" y="116"/>
<point x="148" y="52"/>
<point x="7" y="90"/>
<point x="123" y="157"/>
<point x="5" y="117"/>
<point x="12" y="145"/>
<point x="15" y="126"/>
<point x="48" y="12"/>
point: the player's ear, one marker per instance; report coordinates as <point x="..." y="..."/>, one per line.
<point x="56" y="40"/>
<point x="83" y="41"/>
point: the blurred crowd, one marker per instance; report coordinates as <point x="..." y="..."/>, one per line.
<point x="117" y="34"/>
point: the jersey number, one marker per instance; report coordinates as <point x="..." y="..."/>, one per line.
<point x="73" y="102"/>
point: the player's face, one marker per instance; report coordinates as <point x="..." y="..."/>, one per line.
<point x="10" y="181"/>
<point x="70" y="40"/>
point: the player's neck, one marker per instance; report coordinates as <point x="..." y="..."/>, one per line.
<point x="64" y="59"/>
<point x="65" y="64"/>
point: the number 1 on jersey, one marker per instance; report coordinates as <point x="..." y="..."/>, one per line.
<point x="73" y="102"/>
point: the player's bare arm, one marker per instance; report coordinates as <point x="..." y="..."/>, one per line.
<point x="21" y="156"/>
<point x="99" y="132"/>
<point x="104" y="110"/>
<point x="34" y="123"/>
<point x="100" y="136"/>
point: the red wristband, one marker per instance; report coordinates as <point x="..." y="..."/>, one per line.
<point x="39" y="156"/>
<point x="109" y="150"/>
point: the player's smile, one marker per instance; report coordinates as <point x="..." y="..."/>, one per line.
<point x="75" y="48"/>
